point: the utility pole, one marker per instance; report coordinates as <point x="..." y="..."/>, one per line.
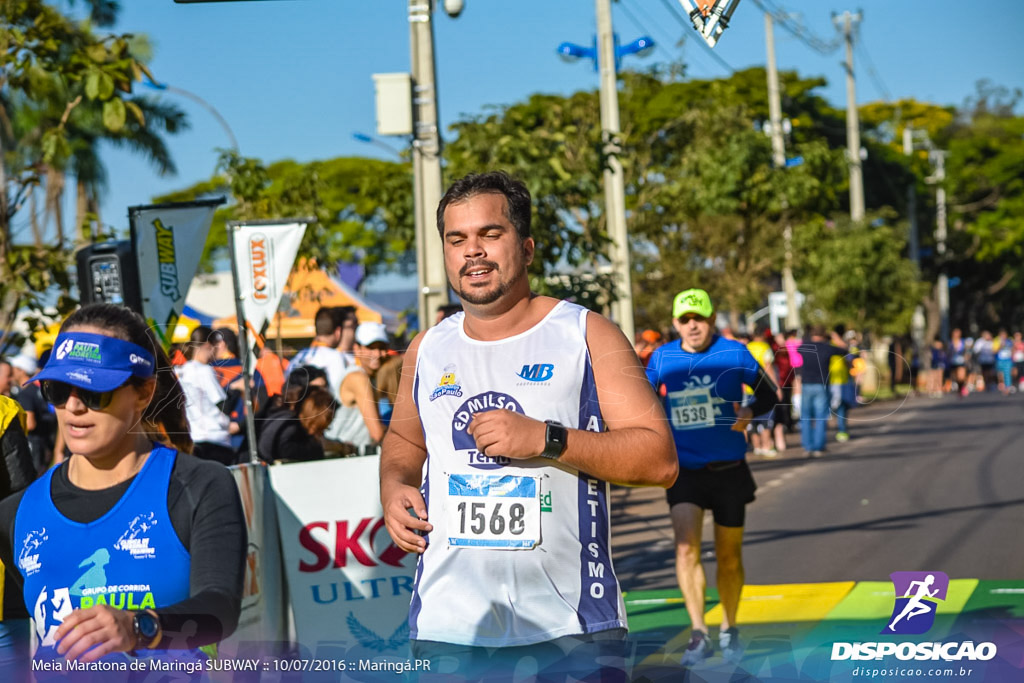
<point x="917" y="325"/>
<point x="774" y="97"/>
<point x="908" y="149"/>
<point x="847" y="19"/>
<point x="426" y="163"/>
<point x="614" y="186"/>
<point x="942" y="286"/>
<point x="779" y="159"/>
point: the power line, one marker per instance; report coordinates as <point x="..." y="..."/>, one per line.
<point x="675" y="10"/>
<point x="676" y="42"/>
<point x="639" y="26"/>
<point x="797" y="29"/>
<point x="872" y="73"/>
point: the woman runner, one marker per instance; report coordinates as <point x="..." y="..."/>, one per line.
<point x="131" y="545"/>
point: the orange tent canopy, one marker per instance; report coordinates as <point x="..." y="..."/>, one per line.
<point x="307" y="290"/>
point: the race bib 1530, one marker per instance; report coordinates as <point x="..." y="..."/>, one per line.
<point x="691" y="409"/>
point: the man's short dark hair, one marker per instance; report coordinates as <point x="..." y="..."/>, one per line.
<point x="325" y="321"/>
<point x="342" y="314"/>
<point x="517" y="198"/>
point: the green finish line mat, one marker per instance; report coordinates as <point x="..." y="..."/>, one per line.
<point x="791" y="631"/>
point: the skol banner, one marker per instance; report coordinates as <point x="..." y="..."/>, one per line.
<point x="168" y="241"/>
<point x="349" y="584"/>
<point x="263" y="254"/>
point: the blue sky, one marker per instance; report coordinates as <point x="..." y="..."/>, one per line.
<point x="293" y="77"/>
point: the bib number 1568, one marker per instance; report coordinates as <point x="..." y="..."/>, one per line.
<point x="495" y="521"/>
<point x="497" y="512"/>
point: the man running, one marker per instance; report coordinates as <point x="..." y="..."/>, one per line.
<point x="700" y="379"/>
<point x="519" y="399"/>
<point x="916" y="604"/>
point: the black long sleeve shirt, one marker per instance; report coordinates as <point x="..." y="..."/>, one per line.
<point x="206" y="513"/>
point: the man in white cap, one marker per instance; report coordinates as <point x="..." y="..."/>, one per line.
<point x="357" y="420"/>
<point x="41" y="424"/>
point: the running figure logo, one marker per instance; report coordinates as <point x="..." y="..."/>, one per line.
<point x="917" y="597"/>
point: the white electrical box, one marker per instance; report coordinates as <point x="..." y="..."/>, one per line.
<point x="394" y="103"/>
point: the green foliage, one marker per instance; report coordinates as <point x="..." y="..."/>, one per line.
<point x="705" y="204"/>
<point x="363" y="207"/>
<point x="62" y="89"/>
<point x="985" y="172"/>
<point x="553" y="144"/>
<point x="855" y="274"/>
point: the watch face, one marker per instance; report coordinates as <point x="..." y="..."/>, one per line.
<point x="146" y="624"/>
<point x="556" y="437"/>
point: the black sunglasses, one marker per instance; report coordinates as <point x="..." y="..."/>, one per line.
<point x="58" y="394"/>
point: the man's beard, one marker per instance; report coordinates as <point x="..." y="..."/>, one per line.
<point x="482" y="298"/>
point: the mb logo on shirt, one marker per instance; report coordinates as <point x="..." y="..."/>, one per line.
<point x="538" y="372"/>
<point x="918" y="595"/>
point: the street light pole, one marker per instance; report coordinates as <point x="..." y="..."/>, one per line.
<point x="942" y="286"/>
<point x="426" y="163"/>
<point x="614" y="186"/>
<point x="202" y="103"/>
<point x="779" y="159"/>
<point x="852" y="121"/>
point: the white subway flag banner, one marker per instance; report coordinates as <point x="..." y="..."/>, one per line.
<point x="264" y="254"/>
<point x="169" y="240"/>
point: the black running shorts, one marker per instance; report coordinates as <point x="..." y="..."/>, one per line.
<point x="723" y="488"/>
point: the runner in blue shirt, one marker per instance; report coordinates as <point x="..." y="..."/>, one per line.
<point x="130" y="545"/>
<point x="700" y="380"/>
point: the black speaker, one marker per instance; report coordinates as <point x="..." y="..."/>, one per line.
<point x="108" y="273"/>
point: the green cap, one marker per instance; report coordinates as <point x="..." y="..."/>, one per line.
<point x="692" y="301"/>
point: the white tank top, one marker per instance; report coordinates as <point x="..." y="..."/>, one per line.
<point x="520" y="550"/>
<point x="348" y="424"/>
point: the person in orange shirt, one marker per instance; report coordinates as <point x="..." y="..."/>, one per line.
<point x="273" y="369"/>
<point x="648" y="342"/>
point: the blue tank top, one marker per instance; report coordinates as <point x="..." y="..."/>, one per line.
<point x="130" y="558"/>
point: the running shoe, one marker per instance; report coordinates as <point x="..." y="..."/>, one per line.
<point x="730" y="644"/>
<point x="842" y="437"/>
<point x="817" y="454"/>
<point x="770" y="453"/>
<point x="699" y="649"/>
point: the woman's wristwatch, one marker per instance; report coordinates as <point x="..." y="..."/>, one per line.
<point x="147" y="629"/>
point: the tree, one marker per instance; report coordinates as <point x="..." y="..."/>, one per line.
<point x="52" y="70"/>
<point x="363" y="207"/>
<point x="856" y="274"/>
<point x="708" y="207"/>
<point x="986" y="197"/>
<point x="553" y="144"/>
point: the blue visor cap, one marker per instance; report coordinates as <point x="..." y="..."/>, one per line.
<point x="96" y="362"/>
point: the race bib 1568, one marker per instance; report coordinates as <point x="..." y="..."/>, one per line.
<point x="493" y="511"/>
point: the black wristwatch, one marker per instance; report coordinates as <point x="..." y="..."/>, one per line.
<point x="146" y="626"/>
<point x="555" y="440"/>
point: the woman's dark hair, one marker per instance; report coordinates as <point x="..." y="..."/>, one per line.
<point x="164" y="419"/>
<point x="517" y="198"/>
<point x="320" y="399"/>
<point x="228" y="336"/>
<point x="298" y="385"/>
<point x="199" y="336"/>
